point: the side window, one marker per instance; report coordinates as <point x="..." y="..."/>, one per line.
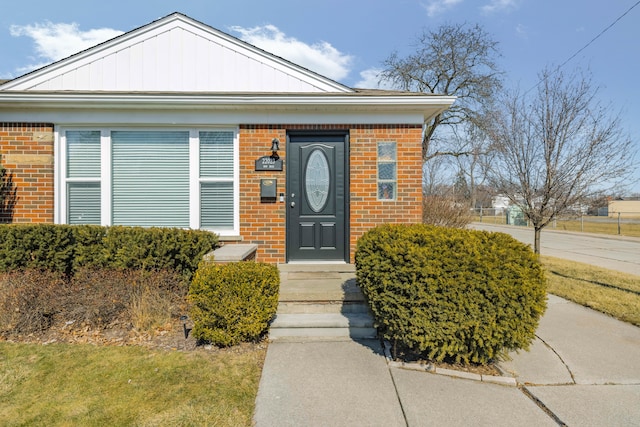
<point x="387" y="171"/>
<point x="83" y="177"/>
<point x="216" y="180"/>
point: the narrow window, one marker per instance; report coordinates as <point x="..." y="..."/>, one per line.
<point x="216" y="180"/>
<point x="387" y="171"/>
<point x="83" y="177"/>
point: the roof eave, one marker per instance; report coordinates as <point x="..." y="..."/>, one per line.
<point x="428" y="104"/>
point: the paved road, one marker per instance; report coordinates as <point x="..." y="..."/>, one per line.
<point x="612" y="252"/>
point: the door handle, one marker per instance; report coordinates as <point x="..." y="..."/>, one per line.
<point x="293" y="204"/>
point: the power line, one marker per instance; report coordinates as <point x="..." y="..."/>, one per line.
<point x="588" y="44"/>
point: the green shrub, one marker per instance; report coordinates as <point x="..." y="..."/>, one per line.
<point x="233" y="303"/>
<point x="66" y="248"/>
<point x="157" y="248"/>
<point x="89" y="248"/>
<point x="42" y="246"/>
<point x="451" y="294"/>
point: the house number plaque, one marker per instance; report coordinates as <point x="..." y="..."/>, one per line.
<point x="268" y="163"/>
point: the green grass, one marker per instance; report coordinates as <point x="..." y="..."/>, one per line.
<point x="610" y="292"/>
<point x="69" y="385"/>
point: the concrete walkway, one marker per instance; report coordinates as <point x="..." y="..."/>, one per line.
<point x="582" y="370"/>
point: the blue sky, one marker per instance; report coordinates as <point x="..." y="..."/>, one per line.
<point x="347" y="40"/>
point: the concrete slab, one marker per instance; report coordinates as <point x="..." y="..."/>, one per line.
<point x="596" y="348"/>
<point x="343" y="383"/>
<point x="343" y="289"/>
<point x="539" y="365"/>
<point x="437" y="400"/>
<point x="589" y="405"/>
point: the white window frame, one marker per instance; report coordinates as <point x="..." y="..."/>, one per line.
<point x="61" y="180"/>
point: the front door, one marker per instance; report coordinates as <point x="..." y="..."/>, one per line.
<point x="317" y="197"/>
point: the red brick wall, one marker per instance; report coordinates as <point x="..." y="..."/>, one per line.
<point x="27" y="156"/>
<point x="366" y="210"/>
<point x="264" y="223"/>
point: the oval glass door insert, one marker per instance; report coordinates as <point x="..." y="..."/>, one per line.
<point x="317" y="180"/>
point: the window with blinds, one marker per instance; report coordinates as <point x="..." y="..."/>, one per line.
<point x="148" y="176"/>
<point x="83" y="177"/>
<point x="216" y="180"/>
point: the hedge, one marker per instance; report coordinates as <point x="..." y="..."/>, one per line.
<point x="451" y="294"/>
<point x="233" y="303"/>
<point x="67" y="248"/>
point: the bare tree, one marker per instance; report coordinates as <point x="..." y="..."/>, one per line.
<point x="454" y="60"/>
<point x="557" y="147"/>
<point x="445" y="211"/>
<point x="475" y="161"/>
<point x="435" y="176"/>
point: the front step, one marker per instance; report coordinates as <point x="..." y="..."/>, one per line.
<point x="320" y="301"/>
<point x="319" y="307"/>
<point x="322" y="325"/>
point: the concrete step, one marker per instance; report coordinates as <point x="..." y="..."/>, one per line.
<point x="320" y="301"/>
<point x="320" y="307"/>
<point x="354" y="325"/>
<point x="318" y="267"/>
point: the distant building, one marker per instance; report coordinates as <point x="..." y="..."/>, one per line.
<point x="499" y="203"/>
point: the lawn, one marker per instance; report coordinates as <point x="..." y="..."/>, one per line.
<point x="71" y="384"/>
<point x="610" y="292"/>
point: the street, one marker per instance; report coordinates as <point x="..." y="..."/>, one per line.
<point x="611" y="252"/>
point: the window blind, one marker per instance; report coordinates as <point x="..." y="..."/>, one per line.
<point x="150" y="178"/>
<point x="83" y="205"/>
<point x="216" y="154"/>
<point x="216" y="185"/>
<point x="216" y="205"/>
<point x="83" y="174"/>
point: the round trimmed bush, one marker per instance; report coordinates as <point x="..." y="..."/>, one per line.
<point x="233" y="303"/>
<point x="451" y="294"/>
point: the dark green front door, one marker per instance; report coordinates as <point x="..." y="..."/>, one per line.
<point x="317" y="197"/>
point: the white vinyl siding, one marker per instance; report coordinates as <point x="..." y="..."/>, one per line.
<point x="83" y="177"/>
<point x="166" y="178"/>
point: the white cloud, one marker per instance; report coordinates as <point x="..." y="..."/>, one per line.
<point x="370" y="79"/>
<point x="435" y="7"/>
<point x="497" y="5"/>
<point x="320" y="57"/>
<point x="57" y="41"/>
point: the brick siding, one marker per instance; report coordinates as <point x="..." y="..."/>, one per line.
<point x="26" y="151"/>
<point x="265" y="223"/>
<point x="27" y="154"/>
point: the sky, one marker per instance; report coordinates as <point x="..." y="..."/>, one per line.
<point x="348" y="40"/>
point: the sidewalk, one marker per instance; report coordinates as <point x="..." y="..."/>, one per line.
<point x="583" y="369"/>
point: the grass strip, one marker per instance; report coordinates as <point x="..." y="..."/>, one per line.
<point x="65" y="385"/>
<point x="610" y="292"/>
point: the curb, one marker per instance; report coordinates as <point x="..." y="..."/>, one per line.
<point x="421" y="367"/>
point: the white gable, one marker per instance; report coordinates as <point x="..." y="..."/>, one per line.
<point x="175" y="54"/>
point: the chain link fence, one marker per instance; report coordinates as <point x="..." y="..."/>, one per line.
<point x="619" y="223"/>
